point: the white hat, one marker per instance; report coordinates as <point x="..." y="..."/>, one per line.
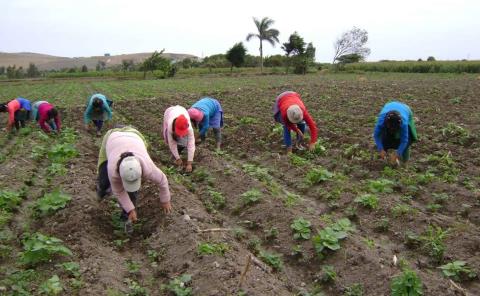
<point x="294" y="114"/>
<point x="131" y="174"/>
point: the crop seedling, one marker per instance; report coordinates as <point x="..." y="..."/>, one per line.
<point x="261" y="174"/>
<point x="9" y="200"/>
<point x="297" y="160"/>
<point x="440" y="198"/>
<point x="253" y="245"/>
<point x="354" y="290"/>
<point x="412" y="240"/>
<point x="329" y="237"/>
<point x="432" y="241"/>
<point x="271" y="234"/>
<point x="433" y="207"/>
<point x="273" y="260"/>
<point x="368" y="201"/>
<point x="132" y="266"/>
<point x="301" y="228"/>
<point x="455" y="133"/>
<point x="239" y="233"/>
<point x="212" y="248"/>
<point x="52" y="286"/>
<point x="40" y="248"/>
<point x="20" y="281"/>
<point x="50" y="203"/>
<point x="318" y="175"/>
<point x="291" y="199"/>
<point x="407" y="283"/>
<point x="318" y="150"/>
<point x="248" y="120"/>
<point x="178" y="286"/>
<point x="56" y="169"/>
<point x="297" y="251"/>
<point x="73" y="268"/>
<point x="61" y="153"/>
<point x="458" y="270"/>
<point x="135" y="288"/>
<point x="380" y="186"/>
<point x="251" y="197"/>
<point x="329" y="275"/>
<point x="401" y="210"/>
<point x="382" y="225"/>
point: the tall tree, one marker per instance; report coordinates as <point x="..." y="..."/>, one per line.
<point x="84" y="68"/>
<point x="265" y="33"/>
<point x="294" y="47"/>
<point x="32" y="71"/>
<point x="352" y="42"/>
<point x="127" y="65"/>
<point x="236" y="55"/>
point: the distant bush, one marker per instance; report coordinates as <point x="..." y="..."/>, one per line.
<point x="417" y="66"/>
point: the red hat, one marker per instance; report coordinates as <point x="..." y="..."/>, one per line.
<point x="181" y="126"/>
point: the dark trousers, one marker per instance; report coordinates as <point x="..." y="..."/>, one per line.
<point x="98" y="124"/>
<point x="20" y="117"/>
<point x="392" y="141"/>
<point x="103" y="186"/>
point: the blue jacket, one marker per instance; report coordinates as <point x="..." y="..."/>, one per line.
<point x="210" y="107"/>
<point x="405" y="114"/>
<point x="105" y="106"/>
<point x="24" y="103"/>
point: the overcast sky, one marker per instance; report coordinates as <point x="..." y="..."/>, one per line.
<point x="406" y="29"/>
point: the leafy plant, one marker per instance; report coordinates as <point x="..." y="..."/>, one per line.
<point x="318" y="175"/>
<point x="216" y="200"/>
<point x="61" y="153"/>
<point x="135" y="288"/>
<point x="212" y="248"/>
<point x="248" y="120"/>
<point x="56" y="169"/>
<point x="440" y="198"/>
<point x="297" y="160"/>
<point x="458" y="270"/>
<point x="291" y="199"/>
<point x="133" y="267"/>
<point x="52" y="286"/>
<point x="271" y="234"/>
<point x="178" y="286"/>
<point x="354" y="290"/>
<point x="380" y="186"/>
<point x="261" y="174"/>
<point x="432" y="241"/>
<point x="455" y="133"/>
<point x="253" y="245"/>
<point x="343" y="225"/>
<point x="328" y="238"/>
<point x="274" y="260"/>
<point x="328" y="274"/>
<point x="368" y="200"/>
<point x="301" y="228"/>
<point x="40" y="248"/>
<point x="9" y="200"/>
<point x="73" y="268"/>
<point x="251" y="197"/>
<point x="407" y="283"/>
<point x="50" y="203"/>
<point x="400" y="210"/>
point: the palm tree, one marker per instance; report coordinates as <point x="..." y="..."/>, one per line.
<point x="264" y="33"/>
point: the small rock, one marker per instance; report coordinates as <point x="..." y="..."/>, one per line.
<point x="302" y="284"/>
<point x="186" y="217"/>
<point x="216" y="264"/>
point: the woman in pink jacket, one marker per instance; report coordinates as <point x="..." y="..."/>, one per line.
<point x="178" y="134"/>
<point x="122" y="163"/>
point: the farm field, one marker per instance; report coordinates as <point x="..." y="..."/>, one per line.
<point x="425" y="215"/>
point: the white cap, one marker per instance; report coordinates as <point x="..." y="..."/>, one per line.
<point x="131" y="174"/>
<point x="294" y="114"/>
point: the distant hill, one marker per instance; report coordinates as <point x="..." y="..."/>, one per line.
<point x="49" y="62"/>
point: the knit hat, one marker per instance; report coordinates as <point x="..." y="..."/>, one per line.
<point x="195" y="114"/>
<point x="294" y="114"/>
<point x="131" y="173"/>
<point x="181" y="126"/>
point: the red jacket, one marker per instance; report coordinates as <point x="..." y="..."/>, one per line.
<point x="290" y="99"/>
<point x="43" y="117"/>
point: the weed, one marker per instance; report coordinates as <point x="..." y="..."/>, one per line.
<point x="297" y="160"/>
<point x="318" y="175"/>
<point x="301" y="228"/>
<point x="368" y="201"/>
<point x="251" y="197"/>
<point x="261" y="174"/>
<point x="253" y="245"/>
<point x="178" y="286"/>
<point x="380" y="186"/>
<point x="412" y="240"/>
<point x="132" y="266"/>
<point x="61" y="153"/>
<point x="329" y="274"/>
<point x="407" y="283"/>
<point x="52" y="286"/>
<point x="38" y="152"/>
<point x="73" y="268"/>
<point x="297" y="251"/>
<point x="9" y="200"/>
<point x="369" y="242"/>
<point x="215" y="201"/>
<point x="274" y="260"/>
<point x="56" y="169"/>
<point x="455" y="133"/>
<point x="291" y="199"/>
<point x="433" y="207"/>
<point x="440" y="198"/>
<point x="239" y="233"/>
<point x="248" y="120"/>
<point x="354" y="290"/>
<point x="40" y="248"/>
<point x="200" y="175"/>
<point x="401" y="210"/>
<point x="432" y="241"/>
<point x="458" y="270"/>
<point x="50" y="203"/>
<point x="212" y="248"/>
<point x="135" y="288"/>
<point x="382" y="225"/>
<point x="271" y="234"/>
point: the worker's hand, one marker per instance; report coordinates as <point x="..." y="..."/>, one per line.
<point x="132" y="216"/>
<point x="311" y="146"/>
<point x="189" y="168"/>
<point x="167" y="207"/>
<point x="300" y="134"/>
<point x="179" y="162"/>
<point x="383" y="154"/>
<point x="394" y="159"/>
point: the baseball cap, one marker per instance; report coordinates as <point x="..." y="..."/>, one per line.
<point x="131" y="173"/>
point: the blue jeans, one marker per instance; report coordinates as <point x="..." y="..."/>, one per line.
<point x="287" y="138"/>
